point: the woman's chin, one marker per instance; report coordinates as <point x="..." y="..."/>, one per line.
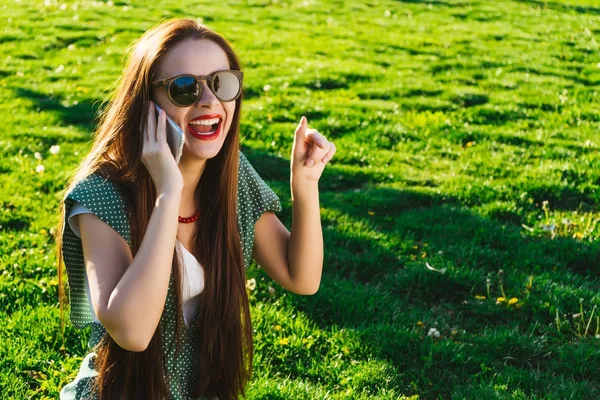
<point x="200" y="150"/>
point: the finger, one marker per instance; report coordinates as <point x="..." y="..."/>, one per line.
<point x="329" y="154"/>
<point x="151" y="123"/>
<point x="317" y="138"/>
<point x="315" y="156"/>
<point x="300" y="133"/>
<point x="162" y="123"/>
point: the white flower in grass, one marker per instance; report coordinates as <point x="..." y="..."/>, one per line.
<point x="433" y="332"/>
<point x="54" y="149"/>
<point x="266" y="88"/>
<point x="549" y="228"/>
<point x="251" y="284"/>
<point x="37" y="155"/>
<point x="39" y="168"/>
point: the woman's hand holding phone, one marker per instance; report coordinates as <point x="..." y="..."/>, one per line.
<point x="157" y="155"/>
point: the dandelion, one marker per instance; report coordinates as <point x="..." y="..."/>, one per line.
<point x="479" y="297"/>
<point x="513" y="300"/>
<point x="54" y="149"/>
<point x="500" y="300"/>
<point x="39" y="169"/>
<point x="266" y="88"/>
<point x="251" y="284"/>
<point x="278" y="327"/>
<point x="37" y="155"/>
<point x="549" y="227"/>
<point x="284" y="341"/>
<point x="433" y="332"/>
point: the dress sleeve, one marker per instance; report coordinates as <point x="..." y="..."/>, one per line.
<point x="77" y="209"/>
<point x="101" y="197"/>
<point x="262" y="197"/>
<point x="255" y="197"/>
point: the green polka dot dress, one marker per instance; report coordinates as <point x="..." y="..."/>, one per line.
<point x="103" y="198"/>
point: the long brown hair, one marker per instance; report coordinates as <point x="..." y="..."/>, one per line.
<point x="224" y="324"/>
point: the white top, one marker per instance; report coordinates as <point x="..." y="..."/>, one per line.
<point x="193" y="276"/>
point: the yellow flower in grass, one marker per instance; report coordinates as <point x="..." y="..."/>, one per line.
<point x="284" y="341"/>
<point x="479" y="297"/>
<point x="500" y="300"/>
<point x="277" y="327"/>
<point x="513" y="300"/>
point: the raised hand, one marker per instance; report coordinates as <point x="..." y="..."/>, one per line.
<point x="310" y="152"/>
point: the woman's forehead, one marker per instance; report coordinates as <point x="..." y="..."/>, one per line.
<point x="193" y="56"/>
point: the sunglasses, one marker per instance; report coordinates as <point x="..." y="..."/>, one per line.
<point x="185" y="90"/>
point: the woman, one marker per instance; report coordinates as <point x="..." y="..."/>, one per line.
<point x="166" y="299"/>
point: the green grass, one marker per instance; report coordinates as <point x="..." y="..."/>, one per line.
<point x="455" y="122"/>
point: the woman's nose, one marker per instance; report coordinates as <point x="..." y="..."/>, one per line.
<point x="208" y="98"/>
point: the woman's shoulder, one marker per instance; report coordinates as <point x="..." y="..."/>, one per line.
<point x="94" y="186"/>
<point x="102" y="197"/>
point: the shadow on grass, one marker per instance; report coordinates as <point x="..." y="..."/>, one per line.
<point x="554" y="5"/>
<point x="80" y="114"/>
<point x="376" y="285"/>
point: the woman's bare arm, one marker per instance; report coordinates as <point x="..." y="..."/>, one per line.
<point x="129" y="294"/>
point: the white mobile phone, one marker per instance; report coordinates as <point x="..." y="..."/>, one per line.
<point x="175" y="136"/>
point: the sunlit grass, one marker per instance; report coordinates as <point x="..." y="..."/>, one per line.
<point x="460" y="212"/>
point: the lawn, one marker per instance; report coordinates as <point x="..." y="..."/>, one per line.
<point x="460" y="212"/>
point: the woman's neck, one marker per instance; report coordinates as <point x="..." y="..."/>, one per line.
<point x="191" y="171"/>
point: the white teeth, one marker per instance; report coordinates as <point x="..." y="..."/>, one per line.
<point x="205" y="121"/>
<point x="205" y="134"/>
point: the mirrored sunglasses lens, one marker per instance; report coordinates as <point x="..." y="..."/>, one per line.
<point x="184" y="90"/>
<point x="226" y="85"/>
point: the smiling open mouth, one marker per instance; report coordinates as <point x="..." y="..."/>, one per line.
<point x="205" y="129"/>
